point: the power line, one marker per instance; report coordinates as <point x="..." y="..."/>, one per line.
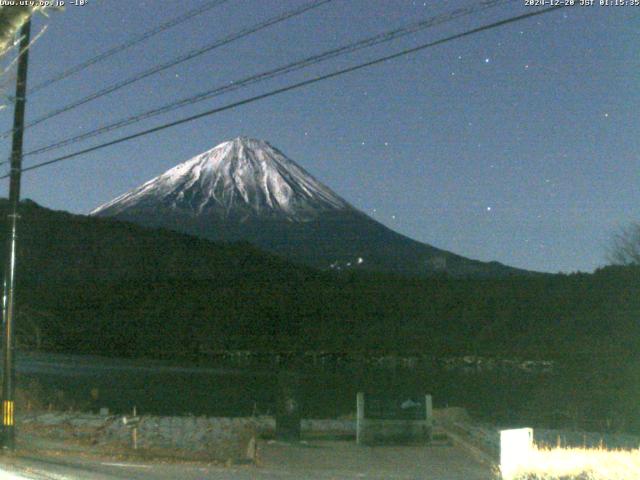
<point x="276" y="72"/>
<point x="128" y="44"/>
<point x="294" y="86"/>
<point x="176" y="61"/>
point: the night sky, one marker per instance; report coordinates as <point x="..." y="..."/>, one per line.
<point x="518" y="144"/>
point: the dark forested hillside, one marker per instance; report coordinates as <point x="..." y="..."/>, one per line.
<point x="103" y="286"/>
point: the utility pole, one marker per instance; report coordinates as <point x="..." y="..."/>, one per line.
<point x="8" y="307"/>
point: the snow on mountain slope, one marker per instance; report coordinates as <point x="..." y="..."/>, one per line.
<point x="237" y="179"/>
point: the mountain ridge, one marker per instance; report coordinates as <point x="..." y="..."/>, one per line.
<point x="247" y="190"/>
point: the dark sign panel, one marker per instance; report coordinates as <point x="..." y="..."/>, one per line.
<point x="394" y="408"/>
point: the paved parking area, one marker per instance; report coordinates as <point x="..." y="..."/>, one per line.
<point x="313" y="460"/>
<point x="345" y="459"/>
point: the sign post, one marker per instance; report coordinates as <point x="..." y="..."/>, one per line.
<point x="288" y="408"/>
<point x="133" y="422"/>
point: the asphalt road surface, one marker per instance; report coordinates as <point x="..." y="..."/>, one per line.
<point x="313" y="460"/>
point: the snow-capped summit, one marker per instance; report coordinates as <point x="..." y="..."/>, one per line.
<point x="239" y="178"/>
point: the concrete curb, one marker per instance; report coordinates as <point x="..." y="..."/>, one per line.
<point x="458" y="438"/>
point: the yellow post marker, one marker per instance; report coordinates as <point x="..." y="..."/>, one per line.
<point x="7" y="413"/>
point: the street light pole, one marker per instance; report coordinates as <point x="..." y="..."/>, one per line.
<point x="8" y="307"/>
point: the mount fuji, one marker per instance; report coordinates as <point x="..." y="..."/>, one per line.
<point x="247" y="190"/>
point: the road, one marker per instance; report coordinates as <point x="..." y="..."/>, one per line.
<point x="312" y="460"/>
<point x="155" y="387"/>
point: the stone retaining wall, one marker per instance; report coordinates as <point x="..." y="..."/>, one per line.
<point x="187" y="437"/>
<point x="201" y="437"/>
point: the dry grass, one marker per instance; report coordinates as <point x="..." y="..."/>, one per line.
<point x="579" y="464"/>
